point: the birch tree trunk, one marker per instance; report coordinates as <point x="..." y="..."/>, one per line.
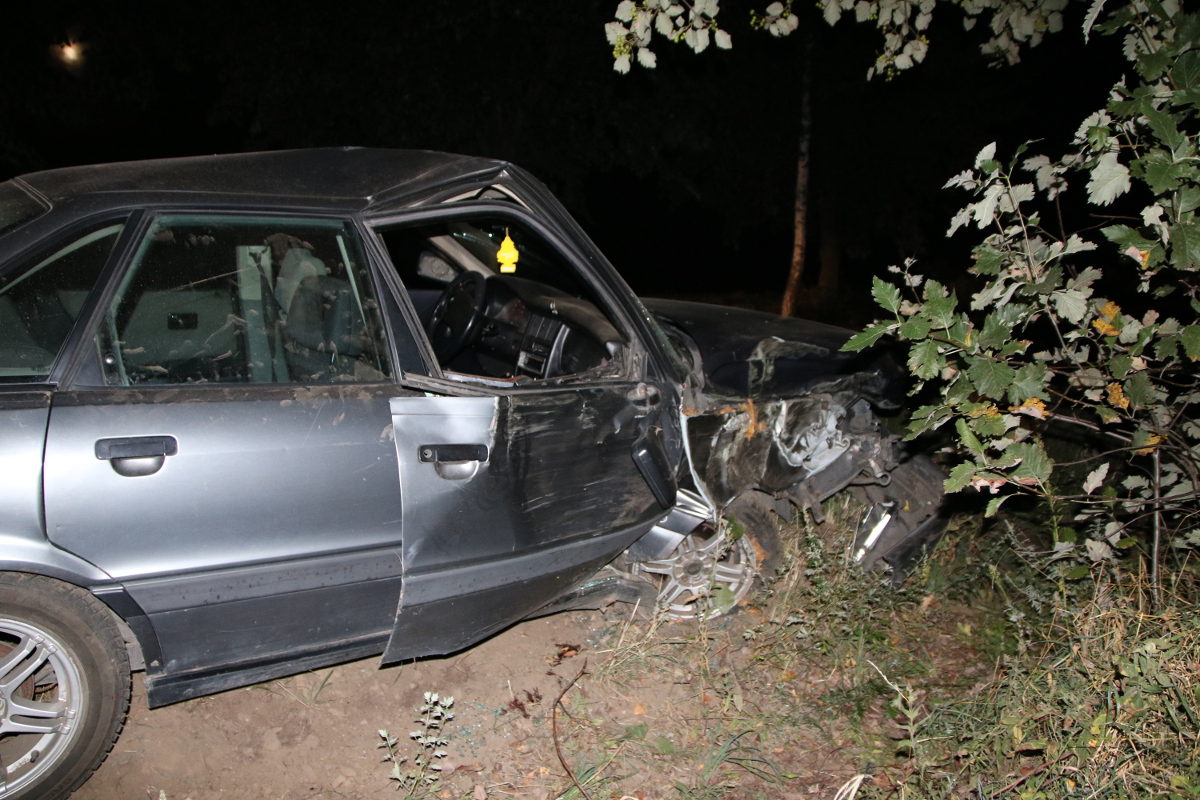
<point x="796" y="272"/>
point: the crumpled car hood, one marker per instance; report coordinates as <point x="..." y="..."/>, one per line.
<point x="765" y="356"/>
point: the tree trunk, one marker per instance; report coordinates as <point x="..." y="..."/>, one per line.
<point x="801" y="217"/>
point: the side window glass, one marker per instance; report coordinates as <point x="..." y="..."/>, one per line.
<point x="498" y="302"/>
<point x="40" y="301"/>
<point x="234" y="299"/>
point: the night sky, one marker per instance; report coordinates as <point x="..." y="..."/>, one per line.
<point x="683" y="175"/>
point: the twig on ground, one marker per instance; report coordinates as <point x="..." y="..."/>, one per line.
<point x="554" y="730"/>
<point x="1037" y="771"/>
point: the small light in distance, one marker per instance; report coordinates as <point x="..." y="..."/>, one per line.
<point x="70" y="54"/>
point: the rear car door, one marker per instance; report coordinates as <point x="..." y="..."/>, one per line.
<point x="226" y="450"/>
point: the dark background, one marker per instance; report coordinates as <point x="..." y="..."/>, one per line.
<point x="684" y="175"/>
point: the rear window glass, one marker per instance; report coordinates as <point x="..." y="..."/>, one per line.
<point x="39" y="302"/>
<point x="16" y="206"/>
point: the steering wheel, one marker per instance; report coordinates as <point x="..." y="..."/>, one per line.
<point x="454" y="325"/>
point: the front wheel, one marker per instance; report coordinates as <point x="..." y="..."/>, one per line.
<point x="714" y="569"/>
<point x="64" y="686"/>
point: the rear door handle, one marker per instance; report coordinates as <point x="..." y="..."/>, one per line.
<point x="136" y="447"/>
<point x="136" y="456"/>
<point x="436" y="453"/>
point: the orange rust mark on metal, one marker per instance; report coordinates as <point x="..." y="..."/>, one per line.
<point x="754" y="426"/>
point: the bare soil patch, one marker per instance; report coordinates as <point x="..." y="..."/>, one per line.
<point x="790" y="698"/>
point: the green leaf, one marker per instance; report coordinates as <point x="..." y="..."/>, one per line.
<point x="969" y="439"/>
<point x="939" y="305"/>
<point x="1029" y="381"/>
<point x="1125" y="237"/>
<point x="1012" y="348"/>
<point x="1139" y="391"/>
<point x="1165" y="129"/>
<point x="1110" y="180"/>
<point x="1035" y="466"/>
<point x="991" y="378"/>
<point x="1190" y="336"/>
<point x="1120" y="365"/>
<point x="1152" y="65"/>
<point x="924" y="360"/>
<point x="927" y="418"/>
<point x="988" y="260"/>
<point x="915" y="327"/>
<point x="1166" y="348"/>
<point x="960" y="477"/>
<point x="960" y="390"/>
<point x="1071" y="304"/>
<point x="1161" y="172"/>
<point x="996" y="332"/>
<point x="994" y="504"/>
<point x="1049" y="282"/>
<point x="864" y="339"/>
<point x="989" y="426"/>
<point x="1186" y="72"/>
<point x="1185" y="246"/>
<point x="886" y="294"/>
<point x="1189" y="199"/>
<point x="1076" y="573"/>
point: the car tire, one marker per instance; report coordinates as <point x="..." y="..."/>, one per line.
<point x="74" y="665"/>
<point x="755" y="512"/>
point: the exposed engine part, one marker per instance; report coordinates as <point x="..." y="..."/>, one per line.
<point x="808" y="435"/>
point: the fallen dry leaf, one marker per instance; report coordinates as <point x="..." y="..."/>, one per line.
<point x="564" y="651"/>
<point x="639" y="709"/>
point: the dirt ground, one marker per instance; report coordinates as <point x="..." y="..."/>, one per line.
<point x="316" y="735"/>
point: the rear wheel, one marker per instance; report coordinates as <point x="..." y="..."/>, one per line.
<point x="64" y="686"/>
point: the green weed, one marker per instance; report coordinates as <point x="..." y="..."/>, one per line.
<point x="424" y="775"/>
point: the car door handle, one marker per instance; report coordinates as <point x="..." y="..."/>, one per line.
<point x="136" y="456"/>
<point x="136" y="447"/>
<point x="435" y="453"/>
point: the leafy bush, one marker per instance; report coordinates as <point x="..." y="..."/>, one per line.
<point x="1039" y="343"/>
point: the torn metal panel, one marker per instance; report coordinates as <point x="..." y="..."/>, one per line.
<point x="905" y="515"/>
<point x="689" y="512"/>
<point x="777" y="444"/>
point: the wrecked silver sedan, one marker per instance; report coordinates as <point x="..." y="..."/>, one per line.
<point x="263" y="413"/>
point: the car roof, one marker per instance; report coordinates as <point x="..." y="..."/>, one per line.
<point x="318" y="177"/>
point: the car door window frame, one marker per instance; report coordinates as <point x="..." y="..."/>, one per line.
<point x="138" y="225"/>
<point x="633" y="359"/>
<point x="68" y="351"/>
